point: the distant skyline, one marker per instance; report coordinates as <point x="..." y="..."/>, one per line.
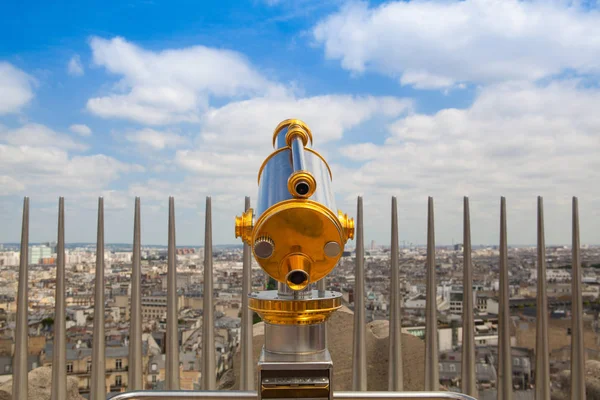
<point x="406" y="98"/>
<point x="350" y="246"/>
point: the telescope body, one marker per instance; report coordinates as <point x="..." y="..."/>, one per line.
<point x="296" y="232"/>
<point x="297" y="236"/>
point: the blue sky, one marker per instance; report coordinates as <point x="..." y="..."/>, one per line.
<point x="480" y="98"/>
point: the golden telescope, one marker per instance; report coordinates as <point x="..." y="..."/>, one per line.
<point x="296" y="233"/>
<point x="297" y="236"/>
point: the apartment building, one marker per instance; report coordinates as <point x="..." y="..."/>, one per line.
<point x="79" y="364"/>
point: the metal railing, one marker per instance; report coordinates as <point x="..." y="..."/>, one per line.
<point x="395" y="385"/>
<point x="250" y="395"/>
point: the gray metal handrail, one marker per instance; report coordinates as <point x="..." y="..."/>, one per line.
<point x="251" y="395"/>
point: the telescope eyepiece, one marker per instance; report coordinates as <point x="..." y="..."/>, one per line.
<point x="297" y="279"/>
<point x="302" y="184"/>
<point x="302" y="188"/>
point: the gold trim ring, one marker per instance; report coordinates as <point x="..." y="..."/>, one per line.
<point x="299" y="131"/>
<point x="279" y="311"/>
<point x="290" y="122"/>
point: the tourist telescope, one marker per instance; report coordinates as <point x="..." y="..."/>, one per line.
<point x="297" y="236"/>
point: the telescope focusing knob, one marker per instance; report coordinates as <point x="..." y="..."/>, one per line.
<point x="347" y="225"/>
<point x="264" y="247"/>
<point x="244" y="225"/>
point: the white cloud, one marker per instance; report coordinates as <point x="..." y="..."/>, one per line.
<point x="236" y="138"/>
<point x="39" y="136"/>
<point x="244" y="123"/>
<point x="75" y="68"/>
<point x="15" y="87"/>
<point x="218" y="164"/>
<point x="80" y="129"/>
<point x="438" y="44"/>
<point x="37" y="159"/>
<point x="155" y="139"/>
<point x="233" y="142"/>
<point x="517" y="141"/>
<point x="161" y="87"/>
<point x="361" y="151"/>
<point x="10" y="185"/>
<point x="49" y="171"/>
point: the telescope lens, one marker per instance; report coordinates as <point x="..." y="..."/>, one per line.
<point x="297" y="279"/>
<point x="302" y="188"/>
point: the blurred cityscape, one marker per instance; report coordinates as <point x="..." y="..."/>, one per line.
<point x="80" y="261"/>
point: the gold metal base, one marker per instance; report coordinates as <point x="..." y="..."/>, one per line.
<point x="274" y="309"/>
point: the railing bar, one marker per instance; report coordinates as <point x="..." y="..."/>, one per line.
<point x="59" y="356"/>
<point x="432" y="372"/>
<point x="172" y="348"/>
<point x="321" y="284"/>
<point x="208" y="318"/>
<point x="577" y="350"/>
<point x="395" y="373"/>
<point x="20" y="378"/>
<point x="469" y="377"/>
<point x="398" y="395"/>
<point x="505" y="386"/>
<point x="251" y="395"/>
<point x="359" y="360"/>
<point x="247" y="370"/>
<point x="542" y="363"/>
<point x="98" y="390"/>
<point x="135" y="318"/>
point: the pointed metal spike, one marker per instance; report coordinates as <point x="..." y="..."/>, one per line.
<point x="432" y="372"/>
<point x="469" y="380"/>
<point x="135" y="318"/>
<point x="247" y="373"/>
<point x="209" y="381"/>
<point x="172" y="348"/>
<point x="542" y="362"/>
<point x="98" y="390"/>
<point x="20" y="378"/>
<point x="395" y="373"/>
<point x="577" y="349"/>
<point x="505" y="386"/>
<point x="59" y="357"/>
<point x="359" y="361"/>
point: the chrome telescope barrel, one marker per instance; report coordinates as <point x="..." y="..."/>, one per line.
<point x="275" y="174"/>
<point x="296" y="233"/>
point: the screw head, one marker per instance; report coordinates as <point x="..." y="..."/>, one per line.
<point x="332" y="249"/>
